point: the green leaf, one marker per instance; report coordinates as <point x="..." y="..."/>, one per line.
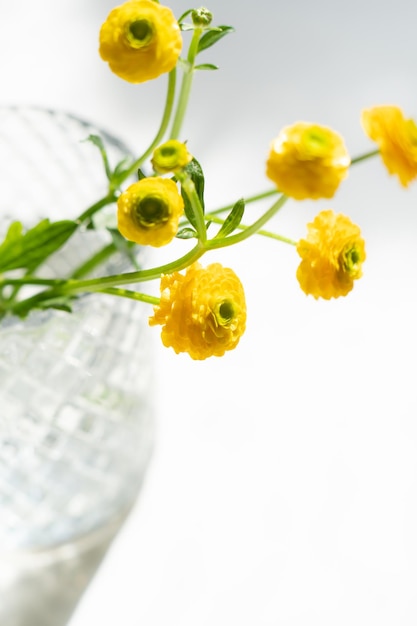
<point x="30" y="249"/>
<point x="186" y="233"/>
<point x="195" y="171"/>
<point x="206" y="66"/>
<point x="97" y="141"/>
<point x="212" y="36"/>
<point x="233" y="220"/>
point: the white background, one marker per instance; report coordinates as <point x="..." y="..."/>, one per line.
<point x="283" y="486"/>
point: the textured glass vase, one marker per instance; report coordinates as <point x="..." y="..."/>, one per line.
<point x="76" y="425"/>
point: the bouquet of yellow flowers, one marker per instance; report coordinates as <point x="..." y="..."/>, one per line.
<point x="202" y="310"/>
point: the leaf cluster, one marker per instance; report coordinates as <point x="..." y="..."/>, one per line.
<point x="29" y="249"/>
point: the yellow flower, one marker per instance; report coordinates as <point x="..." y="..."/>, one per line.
<point x="307" y="161"/>
<point x="149" y="211"/>
<point x="140" y="40"/>
<point x="332" y="256"/>
<point x="396" y="138"/>
<point x="171" y="156"/>
<point x="202" y="312"/>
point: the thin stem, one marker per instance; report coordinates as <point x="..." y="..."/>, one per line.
<point x="97" y="259"/>
<point x="88" y="213"/>
<point x="187" y="80"/>
<point x="32" y="280"/>
<point x="250" y="230"/>
<point x="264" y="233"/>
<point x="133" y="295"/>
<point x="71" y="287"/>
<point x="169" y="103"/>
<point x="363" y="157"/>
<point x="255" y="198"/>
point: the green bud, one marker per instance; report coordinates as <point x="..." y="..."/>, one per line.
<point x="201" y="17"/>
<point x="172" y="156"/>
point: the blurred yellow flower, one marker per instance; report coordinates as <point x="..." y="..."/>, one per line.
<point x="332" y="256"/>
<point x="140" y="40"/>
<point x="202" y="312"/>
<point x="149" y="210"/>
<point x="396" y="138"/>
<point x="171" y="156"/>
<point x="307" y="161"/>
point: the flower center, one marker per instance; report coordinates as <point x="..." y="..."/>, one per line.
<point x="315" y="142"/>
<point x="168" y="151"/>
<point x="139" y="33"/>
<point x="225" y="313"/>
<point x="351" y="261"/>
<point x="152" y="211"/>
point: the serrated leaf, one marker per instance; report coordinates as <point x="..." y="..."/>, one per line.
<point x="186" y="233"/>
<point x="213" y="36"/>
<point x="195" y="171"/>
<point x="233" y="220"/>
<point x="97" y="141"/>
<point x="206" y="66"/>
<point x="28" y="250"/>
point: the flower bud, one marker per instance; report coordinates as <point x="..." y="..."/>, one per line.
<point x="171" y="156"/>
<point x="201" y="17"/>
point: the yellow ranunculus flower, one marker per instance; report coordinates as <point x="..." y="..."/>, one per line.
<point x="149" y="211"/>
<point x="332" y="256"/>
<point x="140" y="40"/>
<point x="171" y="156"/>
<point x="202" y="312"/>
<point x="307" y="161"/>
<point x="396" y="138"/>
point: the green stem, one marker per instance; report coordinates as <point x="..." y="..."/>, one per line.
<point x="249" y="230"/>
<point x="255" y="198"/>
<point x="187" y="80"/>
<point x="88" y="213"/>
<point x="70" y="287"/>
<point x="169" y="103"/>
<point x="97" y="259"/>
<point x="264" y="233"/>
<point x="133" y="295"/>
<point x="363" y="157"/>
<point x="32" y="280"/>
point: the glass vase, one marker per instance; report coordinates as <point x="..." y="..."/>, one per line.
<point x="76" y="422"/>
